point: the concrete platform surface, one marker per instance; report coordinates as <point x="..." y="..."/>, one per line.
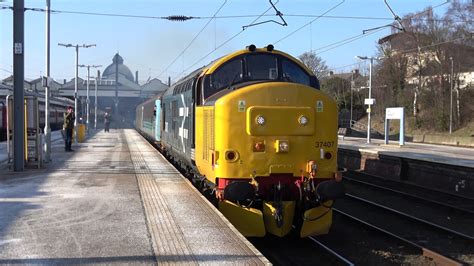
<point x="114" y="200"/>
<point x="458" y="156"/>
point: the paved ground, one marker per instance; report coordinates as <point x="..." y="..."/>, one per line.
<point x="115" y="200"/>
<point x="73" y="216"/>
<point x="435" y="153"/>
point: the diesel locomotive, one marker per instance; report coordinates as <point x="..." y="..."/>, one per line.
<point x="253" y="128"/>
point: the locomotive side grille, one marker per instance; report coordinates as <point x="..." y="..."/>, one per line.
<point x="208" y="133"/>
<point x="205" y="134"/>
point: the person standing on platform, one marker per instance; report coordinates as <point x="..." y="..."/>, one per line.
<point x="107" y="122"/>
<point x="68" y="128"/>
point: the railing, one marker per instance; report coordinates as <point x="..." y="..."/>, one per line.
<point x="356" y="125"/>
<point x="103" y="82"/>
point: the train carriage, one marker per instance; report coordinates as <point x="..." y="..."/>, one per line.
<point x="57" y="108"/>
<point x="255" y="126"/>
<point x="148" y="119"/>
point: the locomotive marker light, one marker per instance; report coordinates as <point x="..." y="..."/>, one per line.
<point x="259" y="146"/>
<point x="303" y="120"/>
<point x="282" y="146"/>
<point x="260" y="120"/>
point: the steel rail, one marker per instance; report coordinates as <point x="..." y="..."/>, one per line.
<point x="333" y="252"/>
<point x="330" y="250"/>
<point x="441" y="259"/>
<point x="354" y="180"/>
<point x="437" y="226"/>
<point x="416" y="186"/>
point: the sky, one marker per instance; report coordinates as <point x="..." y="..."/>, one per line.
<point x="151" y="45"/>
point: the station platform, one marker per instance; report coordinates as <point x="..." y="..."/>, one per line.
<point x="114" y="200"/>
<point x="442" y="154"/>
<point x="444" y="168"/>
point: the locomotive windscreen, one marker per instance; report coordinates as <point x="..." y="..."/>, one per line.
<point x="257" y="67"/>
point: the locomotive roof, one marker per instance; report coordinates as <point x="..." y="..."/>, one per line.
<point x="211" y="67"/>
<point x="215" y="64"/>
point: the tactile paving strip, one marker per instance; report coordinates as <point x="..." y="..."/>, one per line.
<point x="185" y="228"/>
<point x="168" y="240"/>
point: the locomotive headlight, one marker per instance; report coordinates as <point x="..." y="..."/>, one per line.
<point x="260" y="120"/>
<point x="303" y="120"/>
<point x="282" y="146"/>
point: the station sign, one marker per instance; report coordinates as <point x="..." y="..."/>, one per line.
<point x="394" y="113"/>
<point x="370" y="101"/>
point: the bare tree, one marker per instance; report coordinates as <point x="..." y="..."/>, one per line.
<point x="422" y="64"/>
<point x="315" y="63"/>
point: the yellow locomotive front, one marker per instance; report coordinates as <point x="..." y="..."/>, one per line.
<point x="269" y="143"/>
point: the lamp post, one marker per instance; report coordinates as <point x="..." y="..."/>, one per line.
<point x="87" y="93"/>
<point x="47" y="128"/>
<point x="95" y="99"/>
<point x="352" y="88"/>
<point x="369" y="101"/>
<point x="77" y="46"/>
<point x="451" y="97"/>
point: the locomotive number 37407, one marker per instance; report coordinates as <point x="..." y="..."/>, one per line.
<point x="324" y="144"/>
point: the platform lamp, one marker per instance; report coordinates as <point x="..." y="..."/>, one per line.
<point x="369" y="101"/>
<point x="87" y="93"/>
<point x="77" y="46"/>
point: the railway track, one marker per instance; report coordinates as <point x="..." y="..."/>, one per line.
<point x="446" y="216"/>
<point x="333" y="252"/>
<point x="414" y="192"/>
<point x="435" y="256"/>
<point x="293" y="250"/>
<point x="445" y="245"/>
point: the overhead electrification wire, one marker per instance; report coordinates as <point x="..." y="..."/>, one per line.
<point x="305" y="25"/>
<point x="278" y="13"/>
<point x="3" y="69"/>
<point x="359" y="36"/>
<point x="408" y="51"/>
<point x="195" y="37"/>
<point x="225" y="42"/>
<point x="344" y="42"/>
<point x="183" y="18"/>
<point x="433" y="45"/>
<point x="340" y="67"/>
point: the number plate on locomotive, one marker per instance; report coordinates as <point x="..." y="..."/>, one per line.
<point x="324" y="144"/>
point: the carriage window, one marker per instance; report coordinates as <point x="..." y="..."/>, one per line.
<point x="226" y="75"/>
<point x="294" y="73"/>
<point x="262" y="67"/>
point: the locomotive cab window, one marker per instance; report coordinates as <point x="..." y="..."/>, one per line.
<point x="225" y="76"/>
<point x="262" y="67"/>
<point x="293" y="73"/>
